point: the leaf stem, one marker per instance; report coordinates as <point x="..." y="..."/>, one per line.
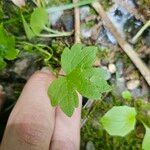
<point x="54" y="35"/>
<point x="39" y="49"/>
<point x="69" y="6"/>
<point x="56" y="32"/>
<point x="139" y="33"/>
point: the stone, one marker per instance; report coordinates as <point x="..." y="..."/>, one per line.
<point x="119" y="66"/>
<point x="111" y="38"/>
<point x="84" y="12"/>
<point x="86" y="33"/>
<point x="19" y="3"/>
<point x="68" y="22"/>
<point x="136" y="92"/>
<point x="54" y="17"/>
<point x="133" y="84"/>
<point x="20" y="66"/>
<point x="107" y="73"/>
<point x="112" y="68"/>
<point x="120" y="86"/>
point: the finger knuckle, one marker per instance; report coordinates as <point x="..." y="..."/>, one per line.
<point x="31" y="132"/>
<point x="30" y="135"/>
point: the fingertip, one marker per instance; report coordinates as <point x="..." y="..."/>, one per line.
<point x="32" y="116"/>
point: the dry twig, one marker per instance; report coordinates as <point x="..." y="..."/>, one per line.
<point x="77" y="23"/>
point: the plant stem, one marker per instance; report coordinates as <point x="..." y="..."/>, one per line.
<point x="69" y="6"/>
<point x="136" y="37"/>
<point x="56" y="32"/>
<point x="54" y="35"/>
<point x="38" y="48"/>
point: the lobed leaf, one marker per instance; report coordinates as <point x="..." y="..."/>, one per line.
<point x="80" y="76"/>
<point x="89" y="82"/>
<point x="78" y="57"/>
<point x="62" y="93"/>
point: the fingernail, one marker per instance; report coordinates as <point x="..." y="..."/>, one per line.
<point x="46" y="70"/>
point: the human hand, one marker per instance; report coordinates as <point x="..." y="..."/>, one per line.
<point x="35" y="125"/>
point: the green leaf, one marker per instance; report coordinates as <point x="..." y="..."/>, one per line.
<point x="7" y="45"/>
<point x="39" y="19"/>
<point x="80" y="76"/>
<point x="119" y="120"/>
<point x="146" y="140"/>
<point x="28" y="31"/>
<point x="62" y="93"/>
<point x="127" y="95"/>
<point x="2" y="63"/>
<point x="11" y="54"/>
<point x="89" y="82"/>
<point x="78" y="57"/>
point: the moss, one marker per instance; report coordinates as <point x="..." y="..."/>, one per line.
<point x="58" y="2"/>
<point x="106" y="3"/>
<point x="93" y="131"/>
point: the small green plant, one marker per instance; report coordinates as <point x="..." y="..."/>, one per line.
<point x="7" y="47"/>
<point x="79" y="76"/>
<point x="127" y="95"/>
<point x="121" y="120"/>
<point x="39" y="20"/>
<point x="38" y="23"/>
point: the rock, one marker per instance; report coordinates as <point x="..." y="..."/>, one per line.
<point x="86" y="33"/>
<point x="133" y="75"/>
<point x="68" y="22"/>
<point x="118" y="16"/>
<point x="19" y="3"/>
<point x="54" y="17"/>
<point x="107" y="73"/>
<point x="111" y="38"/>
<point x="21" y="65"/>
<point x="120" y="86"/>
<point x="84" y="12"/>
<point x="104" y="62"/>
<point x="90" y="146"/>
<point x="119" y="66"/>
<point x="112" y="68"/>
<point x="147" y="37"/>
<point x="136" y="92"/>
<point x="133" y="84"/>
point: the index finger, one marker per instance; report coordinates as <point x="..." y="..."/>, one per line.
<point x="31" y="123"/>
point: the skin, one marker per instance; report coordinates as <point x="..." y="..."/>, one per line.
<point x="35" y="125"/>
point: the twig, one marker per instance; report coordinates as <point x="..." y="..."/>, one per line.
<point x="77" y="23"/>
<point x="123" y="44"/>
<point x="136" y="37"/>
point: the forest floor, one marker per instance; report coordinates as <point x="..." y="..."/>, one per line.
<point x="128" y="17"/>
